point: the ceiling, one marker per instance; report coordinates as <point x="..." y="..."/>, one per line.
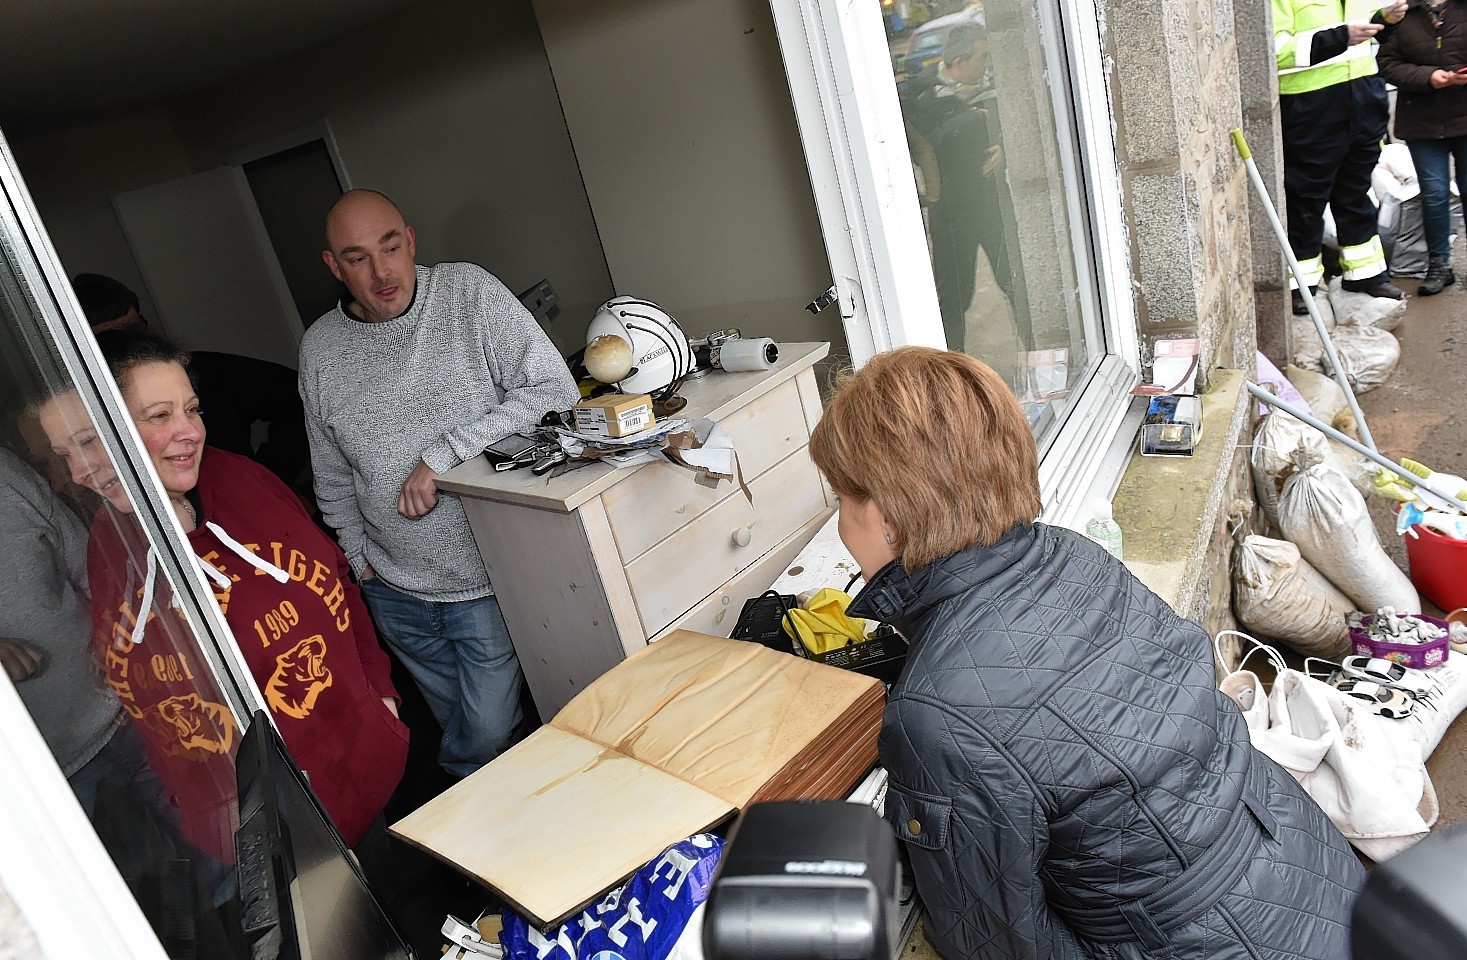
<point x="63" y="61"/>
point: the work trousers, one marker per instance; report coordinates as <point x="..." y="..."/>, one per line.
<point x="461" y="657"/>
<point x="1331" y="143"/>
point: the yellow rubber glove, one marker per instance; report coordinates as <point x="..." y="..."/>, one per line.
<point x="1391" y="486"/>
<point x="823" y="625"/>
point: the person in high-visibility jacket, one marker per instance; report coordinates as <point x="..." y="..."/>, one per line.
<point x="1333" y="110"/>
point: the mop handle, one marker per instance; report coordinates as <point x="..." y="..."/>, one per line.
<point x="1352" y="443"/>
<point x="1336" y="368"/>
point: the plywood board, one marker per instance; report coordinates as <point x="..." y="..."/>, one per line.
<point x="555" y="821"/>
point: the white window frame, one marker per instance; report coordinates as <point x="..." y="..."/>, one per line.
<point x="52" y="865"/>
<point x="837" y="61"/>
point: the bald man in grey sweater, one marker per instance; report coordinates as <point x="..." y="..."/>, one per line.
<point x="418" y="370"/>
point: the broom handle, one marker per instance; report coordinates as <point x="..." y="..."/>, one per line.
<point x="1336" y="368"/>
<point x="1352" y="443"/>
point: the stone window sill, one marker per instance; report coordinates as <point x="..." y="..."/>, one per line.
<point x="1172" y="510"/>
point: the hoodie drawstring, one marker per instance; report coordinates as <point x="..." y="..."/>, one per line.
<point x="145" y="609"/>
<point x="264" y="566"/>
<point x="150" y="579"/>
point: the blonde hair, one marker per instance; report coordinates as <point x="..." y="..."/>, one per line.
<point x="938" y="441"/>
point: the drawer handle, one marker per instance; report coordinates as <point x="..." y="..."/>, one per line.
<point x="743" y="535"/>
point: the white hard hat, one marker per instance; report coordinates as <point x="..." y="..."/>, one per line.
<point x="660" y="351"/>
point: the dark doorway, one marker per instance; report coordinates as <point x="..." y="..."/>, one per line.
<point x="293" y="189"/>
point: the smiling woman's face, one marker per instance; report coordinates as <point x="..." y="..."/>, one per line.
<point x="166" y="410"/>
<point x="74" y="440"/>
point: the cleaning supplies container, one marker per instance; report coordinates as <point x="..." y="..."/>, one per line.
<point x="1420" y="656"/>
<point x="1438" y="567"/>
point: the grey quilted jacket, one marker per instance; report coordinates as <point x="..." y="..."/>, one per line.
<point x="1069" y="782"/>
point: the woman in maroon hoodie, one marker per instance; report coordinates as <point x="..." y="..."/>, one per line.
<point x="153" y="666"/>
<point x="281" y="583"/>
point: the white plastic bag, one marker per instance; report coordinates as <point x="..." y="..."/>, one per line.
<point x="1277" y="593"/>
<point x="1368" y="776"/>
<point x="1271" y="375"/>
<point x="1327" y="520"/>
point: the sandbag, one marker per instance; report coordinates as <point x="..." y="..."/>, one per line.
<point x="1368" y="354"/>
<point x="1326" y="518"/>
<point x="1275" y="443"/>
<point x="1276" y="593"/>
<point x="1324" y="397"/>
<point x="1361" y="309"/>
<point x="1327" y="400"/>
<point x="1308" y="351"/>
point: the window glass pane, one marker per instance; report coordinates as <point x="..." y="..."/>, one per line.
<point x="102" y="657"/>
<point x="979" y="86"/>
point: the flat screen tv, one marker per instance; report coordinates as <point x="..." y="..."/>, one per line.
<point x="302" y="894"/>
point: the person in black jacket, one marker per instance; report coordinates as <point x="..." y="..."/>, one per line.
<point x="1065" y="775"/>
<point x="1426" y="58"/>
<point x="958" y="117"/>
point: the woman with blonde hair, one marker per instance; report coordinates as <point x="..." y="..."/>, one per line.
<point x="1065" y="776"/>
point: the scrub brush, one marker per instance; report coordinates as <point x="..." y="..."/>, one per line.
<point x="1388" y="484"/>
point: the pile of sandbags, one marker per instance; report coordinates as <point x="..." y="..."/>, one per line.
<point x="1329" y="561"/>
<point x="1359" y="325"/>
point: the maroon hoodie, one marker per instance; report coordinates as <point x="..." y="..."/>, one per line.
<point x="308" y="640"/>
<point x="302" y="627"/>
<point x="156" y="669"/>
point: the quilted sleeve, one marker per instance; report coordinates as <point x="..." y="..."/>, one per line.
<point x="976" y="835"/>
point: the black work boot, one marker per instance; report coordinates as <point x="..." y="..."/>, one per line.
<point x="1438" y="276"/>
<point x="1297" y="299"/>
<point x="1377" y="286"/>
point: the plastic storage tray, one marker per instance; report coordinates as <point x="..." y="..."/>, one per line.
<point x="1418" y="655"/>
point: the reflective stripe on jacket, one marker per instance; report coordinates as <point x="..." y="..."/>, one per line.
<point x="1295" y="24"/>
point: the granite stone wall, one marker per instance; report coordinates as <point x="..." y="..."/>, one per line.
<point x="1176" y="88"/>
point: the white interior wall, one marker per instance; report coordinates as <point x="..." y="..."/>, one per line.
<point x="681" y="117"/>
<point x="682" y="159"/>
<point x="450" y="110"/>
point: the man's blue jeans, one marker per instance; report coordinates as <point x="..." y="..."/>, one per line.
<point x="462" y="659"/>
<point x="1433" y="172"/>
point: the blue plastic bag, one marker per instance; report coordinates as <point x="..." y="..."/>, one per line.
<point x="640" y="920"/>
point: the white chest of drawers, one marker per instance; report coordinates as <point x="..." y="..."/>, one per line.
<point x="591" y="565"/>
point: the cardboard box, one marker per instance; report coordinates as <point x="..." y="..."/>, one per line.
<point x="614" y="415"/>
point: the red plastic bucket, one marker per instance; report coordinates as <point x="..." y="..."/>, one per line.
<point x="1438" y="567"/>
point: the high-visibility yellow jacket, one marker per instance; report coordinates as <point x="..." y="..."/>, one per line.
<point x="1295" y="22"/>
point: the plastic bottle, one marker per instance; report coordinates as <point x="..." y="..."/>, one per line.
<point x="1452" y="525"/>
<point x="1103" y="528"/>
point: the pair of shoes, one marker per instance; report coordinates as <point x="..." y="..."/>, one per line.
<point x="1297" y="299"/>
<point x="1438" y="276"/>
<point x="1377" y="286"/>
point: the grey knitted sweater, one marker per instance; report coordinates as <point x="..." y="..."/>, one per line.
<point x="464" y="366"/>
<point x="44" y="602"/>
